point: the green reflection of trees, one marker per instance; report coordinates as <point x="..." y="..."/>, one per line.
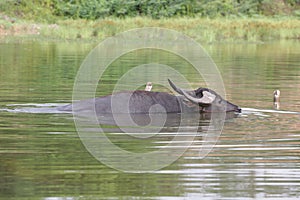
<point x="253" y="71"/>
<point x="147" y="56"/>
<point x="39" y="71"/>
<point x="35" y="163"/>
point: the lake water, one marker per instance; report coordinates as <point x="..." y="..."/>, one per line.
<point x="257" y="155"/>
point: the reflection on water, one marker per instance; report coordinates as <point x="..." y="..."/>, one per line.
<point x="257" y="155"/>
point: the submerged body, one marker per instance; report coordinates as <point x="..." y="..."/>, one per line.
<point x="201" y="100"/>
<point x="139" y="102"/>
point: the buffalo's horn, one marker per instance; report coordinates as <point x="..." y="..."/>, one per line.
<point x="207" y="97"/>
<point x="178" y="90"/>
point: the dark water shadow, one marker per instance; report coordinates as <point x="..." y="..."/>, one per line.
<point x="171" y="122"/>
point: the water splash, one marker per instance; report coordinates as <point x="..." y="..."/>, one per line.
<point x="261" y="112"/>
<point x="33" y="108"/>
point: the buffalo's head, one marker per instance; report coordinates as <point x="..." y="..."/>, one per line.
<point x="207" y="99"/>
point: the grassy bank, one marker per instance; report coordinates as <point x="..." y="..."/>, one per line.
<point x="201" y="29"/>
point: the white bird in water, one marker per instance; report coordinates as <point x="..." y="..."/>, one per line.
<point x="276" y="96"/>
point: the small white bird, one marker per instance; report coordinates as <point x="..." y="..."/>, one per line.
<point x="276" y="96"/>
<point x="148" y="86"/>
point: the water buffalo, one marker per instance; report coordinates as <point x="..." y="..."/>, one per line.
<point x="201" y="100"/>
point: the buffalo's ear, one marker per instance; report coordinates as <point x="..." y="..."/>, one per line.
<point x="206" y="99"/>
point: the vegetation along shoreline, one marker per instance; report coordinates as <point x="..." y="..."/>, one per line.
<point x="204" y="21"/>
